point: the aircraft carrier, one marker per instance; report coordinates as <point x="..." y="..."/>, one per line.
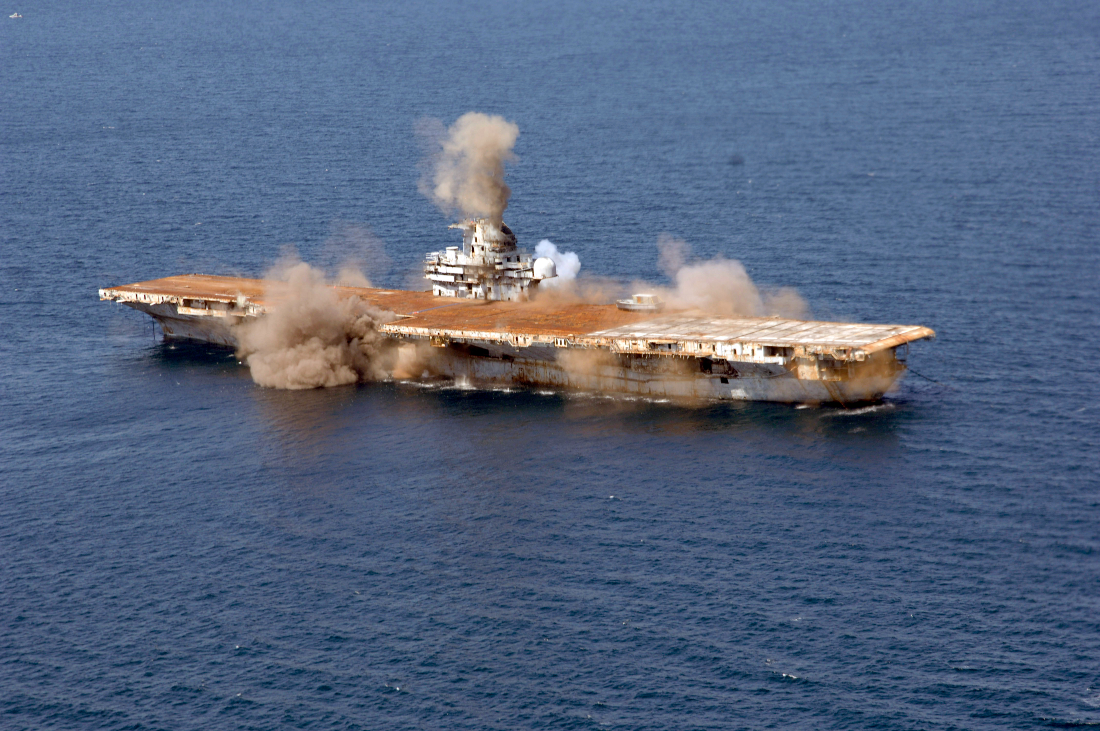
<point x="488" y="328"/>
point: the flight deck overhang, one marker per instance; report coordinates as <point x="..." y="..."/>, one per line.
<point x="421" y="316"/>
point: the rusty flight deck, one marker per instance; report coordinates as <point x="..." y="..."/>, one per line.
<point x="420" y="315"/>
<point x="558" y="343"/>
<point x="201" y="294"/>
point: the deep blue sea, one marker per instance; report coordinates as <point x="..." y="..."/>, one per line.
<point x="182" y="549"/>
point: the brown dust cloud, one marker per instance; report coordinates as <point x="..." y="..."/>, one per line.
<point x="718" y="287"/>
<point x="313" y="336"/>
<point x="465" y="170"/>
<point x="317" y="336"/>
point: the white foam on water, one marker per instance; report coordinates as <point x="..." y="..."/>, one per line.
<point x="462" y="383"/>
<point x="862" y="410"/>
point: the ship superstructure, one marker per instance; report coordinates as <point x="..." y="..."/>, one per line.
<point x="488" y="266"/>
<point x="493" y="338"/>
<point x="483" y="328"/>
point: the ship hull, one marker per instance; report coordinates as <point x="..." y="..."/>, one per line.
<point x="200" y="328"/>
<point x="552" y="368"/>
<point x="637" y="377"/>
<point x="578" y="346"/>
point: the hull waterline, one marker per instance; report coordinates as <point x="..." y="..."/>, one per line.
<point x="585" y="347"/>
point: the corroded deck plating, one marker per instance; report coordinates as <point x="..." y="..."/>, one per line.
<point x="679" y="354"/>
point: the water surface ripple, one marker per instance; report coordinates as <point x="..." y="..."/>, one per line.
<point x="183" y="549"/>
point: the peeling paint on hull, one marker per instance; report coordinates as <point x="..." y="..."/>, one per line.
<point x="176" y="325"/>
<point x="782" y="388"/>
<point x="583" y="347"/>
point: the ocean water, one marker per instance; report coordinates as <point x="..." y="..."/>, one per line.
<point x="181" y="549"/>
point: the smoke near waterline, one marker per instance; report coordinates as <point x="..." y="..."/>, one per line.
<point x="465" y="173"/>
<point x="314" y="336"/>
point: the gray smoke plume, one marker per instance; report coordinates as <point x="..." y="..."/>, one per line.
<point x="671" y="254"/>
<point x="314" y="336"/>
<point x="355" y="253"/>
<point x="719" y="286"/>
<point x="467" y="165"/>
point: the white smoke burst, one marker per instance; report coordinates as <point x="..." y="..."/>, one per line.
<point x="566" y="262"/>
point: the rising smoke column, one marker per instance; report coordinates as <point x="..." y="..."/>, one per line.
<point x="467" y="166"/>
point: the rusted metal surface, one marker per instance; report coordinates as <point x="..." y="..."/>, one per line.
<point x="768" y="340"/>
<point x="772" y="331"/>
<point x="563" y="324"/>
<point x="772" y="337"/>
<point x="594" y="325"/>
<point x="537" y="319"/>
<point x="578" y="345"/>
<point x="901" y="338"/>
<point x="259" y="293"/>
<point x="420" y="309"/>
<point x="188" y="286"/>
